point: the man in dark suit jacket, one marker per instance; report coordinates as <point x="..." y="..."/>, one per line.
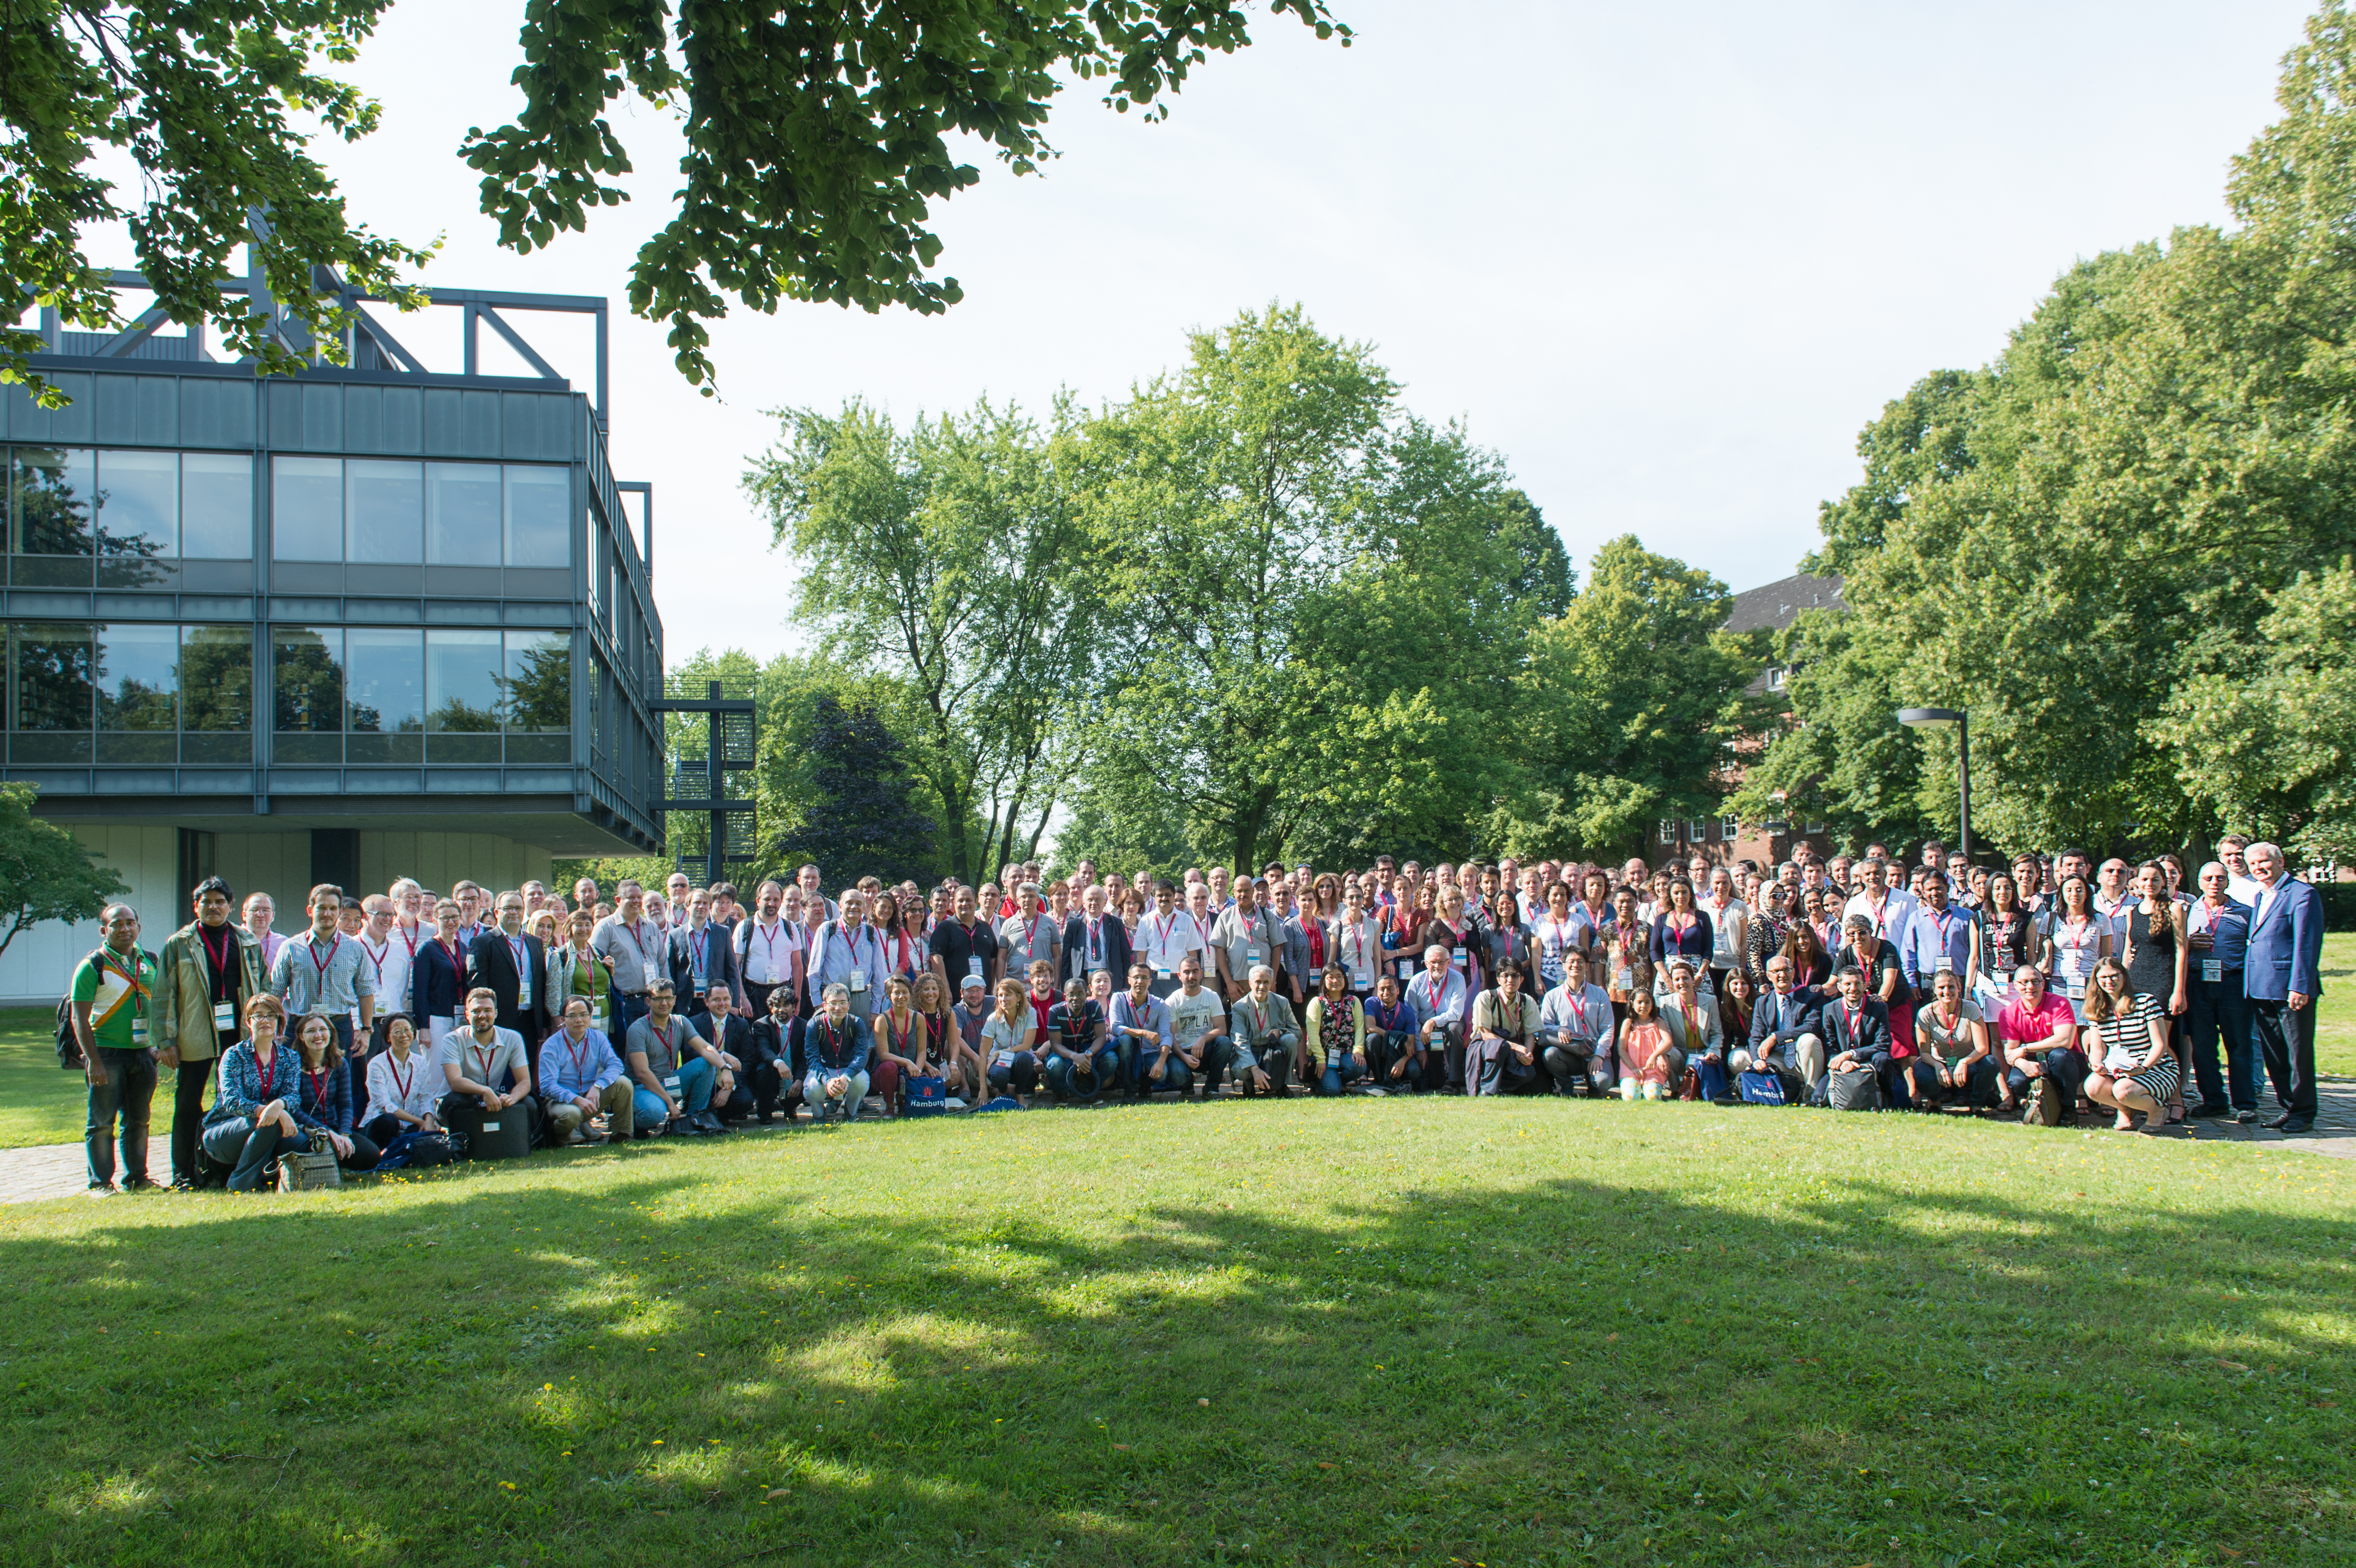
<point x="703" y="955"/>
<point x="1787" y="1030"/>
<point x="731" y="1036"/>
<point x="1856" y="1032"/>
<point x="510" y="963"/>
<point x="2281" y="976"/>
<point x="1094" y="940"/>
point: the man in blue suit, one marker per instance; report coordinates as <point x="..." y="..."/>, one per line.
<point x="2279" y="972"/>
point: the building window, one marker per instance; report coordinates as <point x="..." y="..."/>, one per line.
<point x="217" y="508"/>
<point x="1669" y="831"/>
<point x="384" y="703"/>
<point x="1775" y="678"/>
<point x="539" y="697"/>
<point x="306" y="667"/>
<point x="124" y="692"/>
<point x="1697" y="830"/>
<point x="538" y="517"/>
<point x="139" y="505"/>
<point x="375" y="512"/>
<point x="462" y="676"/>
<point x="1815" y="827"/>
<point x="1729" y="829"/>
<point x="384" y="512"/>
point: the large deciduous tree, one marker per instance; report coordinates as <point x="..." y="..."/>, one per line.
<point x="949" y="557"/>
<point x="818" y="138"/>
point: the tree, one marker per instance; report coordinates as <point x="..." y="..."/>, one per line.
<point x="2270" y="746"/>
<point x="45" y="873"/>
<point x="2072" y="542"/>
<point x="862" y="820"/>
<point x="1630" y="708"/>
<point x="950" y="559"/>
<point x="819" y="135"/>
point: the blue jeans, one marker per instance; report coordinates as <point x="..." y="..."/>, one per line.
<point x="814" y="1095"/>
<point x="694" y="1091"/>
<point x="1022" y="1074"/>
<point x="1175" y="1073"/>
<point x="1340" y="1068"/>
<point x="1063" y="1072"/>
<point x="128" y="1090"/>
<point x="234" y="1142"/>
<point x="621" y="1012"/>
<point x="2216" y="1012"/>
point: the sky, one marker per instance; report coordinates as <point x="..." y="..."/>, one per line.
<point x="1668" y="260"/>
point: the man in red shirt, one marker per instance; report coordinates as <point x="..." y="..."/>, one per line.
<point x="2039" y="1036"/>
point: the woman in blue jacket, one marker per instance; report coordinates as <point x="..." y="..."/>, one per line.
<point x="253" y="1119"/>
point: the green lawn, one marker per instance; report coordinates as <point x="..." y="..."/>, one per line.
<point x="1411" y="1332"/>
<point x="40" y="1103"/>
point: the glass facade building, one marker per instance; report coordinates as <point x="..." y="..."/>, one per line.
<point x="348" y="604"/>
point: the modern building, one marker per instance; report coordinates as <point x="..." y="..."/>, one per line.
<point x="339" y="627"/>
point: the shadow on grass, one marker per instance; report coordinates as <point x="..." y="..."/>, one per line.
<point x="1539" y="1370"/>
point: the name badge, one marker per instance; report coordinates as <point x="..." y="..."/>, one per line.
<point x="699" y="982"/>
<point x="857" y="981"/>
<point x="523" y="992"/>
<point x="491" y="1127"/>
<point x="1163" y="974"/>
<point x="138" y="1031"/>
<point x="224" y="1015"/>
<point x="1253" y="955"/>
<point x="597" y="1020"/>
<point x="654" y="972"/>
<point x="973" y="968"/>
<point x="670" y="1082"/>
<point x="1456" y="956"/>
<point x="1623" y="979"/>
<point x="1004" y="1059"/>
<point x="1946" y="965"/>
<point x="2076" y="990"/>
<point x="2212" y="970"/>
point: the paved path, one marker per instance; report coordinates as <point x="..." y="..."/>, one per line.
<point x="56" y="1170"/>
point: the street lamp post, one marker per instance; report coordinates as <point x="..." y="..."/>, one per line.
<point x="1954" y="719"/>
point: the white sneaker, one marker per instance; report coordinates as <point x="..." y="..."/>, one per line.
<point x="1376" y="1090"/>
<point x="954" y="1103"/>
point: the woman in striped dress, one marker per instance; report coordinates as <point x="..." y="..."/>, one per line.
<point x="2125" y="1038"/>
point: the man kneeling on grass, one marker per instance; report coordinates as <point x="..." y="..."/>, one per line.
<point x="582" y="1079"/>
<point x="673" y="1068"/>
<point x="1198" y="1023"/>
<point x="1267" y="1040"/>
<point x="486" y="1068"/>
<point x="839" y="1045"/>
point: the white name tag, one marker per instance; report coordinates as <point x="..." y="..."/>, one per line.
<point x="1623" y="979"/>
<point x="654" y="972"/>
<point x="523" y="992"/>
<point x="138" y="1031"/>
<point x="491" y="1127"/>
<point x="2212" y="970"/>
<point x="2076" y="990"/>
<point x="1253" y="955"/>
<point x="1163" y="974"/>
<point x="1946" y="965"/>
<point x="973" y="968"/>
<point x="858" y="981"/>
<point x="224" y="1015"/>
<point x="597" y="1020"/>
<point x="670" y="1082"/>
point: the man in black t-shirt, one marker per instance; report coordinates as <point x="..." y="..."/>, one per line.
<point x="964" y="947"/>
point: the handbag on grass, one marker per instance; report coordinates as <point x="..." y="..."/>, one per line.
<point x="1758" y="1088"/>
<point x="926" y="1096"/>
<point x="310" y="1168"/>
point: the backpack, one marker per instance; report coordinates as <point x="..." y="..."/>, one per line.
<point x="1853" y="1091"/>
<point x="69" y="1042"/>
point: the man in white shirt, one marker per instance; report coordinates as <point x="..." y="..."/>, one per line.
<point x="385" y="954"/>
<point x="845" y="951"/>
<point x="1198" y="1027"/>
<point x="2240" y="886"/>
<point x="2112" y="895"/>
<point x="1891" y="908"/>
<point x="767" y="949"/>
<point x="1438" y="999"/>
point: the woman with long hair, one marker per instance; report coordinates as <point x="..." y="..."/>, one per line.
<point x="252" y="1122"/>
<point x="1408" y="917"/>
<point x="323" y="1092"/>
<point x="1505" y="940"/>
<point x="1811" y="965"/>
<point x="2009" y="937"/>
<point x="2125" y="1038"/>
<point x="405" y="1088"/>
<point x="904" y="953"/>
<point x="2081" y="937"/>
<point x="1769" y="924"/>
<point x="2157" y="960"/>
<point x="900" y="1038"/>
<point x="1734" y="1003"/>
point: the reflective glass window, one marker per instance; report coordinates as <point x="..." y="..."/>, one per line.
<point x="217" y="507"/>
<point x="55" y="490"/>
<point x="306" y="665"/>
<point x="464" y="674"/>
<point x="138" y="678"/>
<point x="307" y="509"/>
<point x="139" y="503"/>
<point x="540" y="517"/>
<point x="462" y="514"/>
<point x="217" y="694"/>
<point x="384" y="512"/>
<point x="53" y="666"/>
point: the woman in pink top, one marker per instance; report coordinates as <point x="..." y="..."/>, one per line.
<point x="1646" y="1049"/>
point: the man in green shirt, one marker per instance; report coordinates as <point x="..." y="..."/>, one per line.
<point x="112" y="996"/>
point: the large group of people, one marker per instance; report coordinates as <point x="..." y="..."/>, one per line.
<point x="394" y="1024"/>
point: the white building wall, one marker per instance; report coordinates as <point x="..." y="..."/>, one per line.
<point x="39" y="962"/>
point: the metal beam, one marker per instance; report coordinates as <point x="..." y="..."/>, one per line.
<point x="386" y="341"/>
<point x="515" y="341"/>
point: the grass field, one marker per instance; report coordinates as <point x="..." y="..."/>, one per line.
<point x="1426" y="1331"/>
<point x="39" y="1104"/>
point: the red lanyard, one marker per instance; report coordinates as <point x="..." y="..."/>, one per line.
<point x="408" y="940"/>
<point x="769" y="944"/>
<point x="455" y="961"/>
<point x="580" y="1056"/>
<point x="1163" y="925"/>
<point x="262" y="1066"/>
<point x="400" y="1082"/>
<point x="375" y="959"/>
<point x="320" y="963"/>
<point x="698" y="943"/>
<point x="483" y="1062"/>
<point x="319" y="1087"/>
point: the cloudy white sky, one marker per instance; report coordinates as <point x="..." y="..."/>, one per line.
<point x="1667" y="260"/>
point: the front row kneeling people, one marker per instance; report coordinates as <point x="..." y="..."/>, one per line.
<point x="253" y="1120"/>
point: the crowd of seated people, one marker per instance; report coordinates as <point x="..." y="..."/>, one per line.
<point x="2044" y="987"/>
